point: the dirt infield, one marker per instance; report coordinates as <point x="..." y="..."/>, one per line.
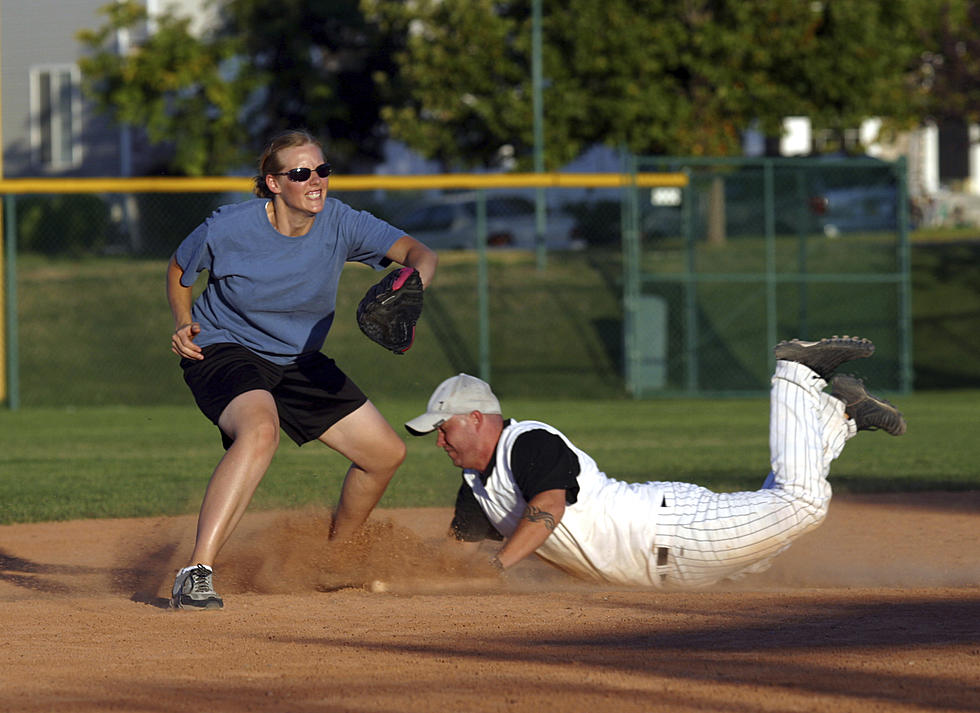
<point x="877" y="610"/>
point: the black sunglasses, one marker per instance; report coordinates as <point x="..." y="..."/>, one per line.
<point x="301" y="175"/>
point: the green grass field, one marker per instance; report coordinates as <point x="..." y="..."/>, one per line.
<point x="100" y="462"/>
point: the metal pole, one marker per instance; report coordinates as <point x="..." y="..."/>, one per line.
<point x="483" y="284"/>
<point x="536" y="85"/>
<point x="10" y="305"/>
<point x="906" y="372"/>
<point x="632" y="270"/>
<point x="3" y="271"/>
<point x="128" y="202"/>
<point x="802" y="230"/>
<point x="772" y="309"/>
<point x="692" y="333"/>
<point x="5" y="278"/>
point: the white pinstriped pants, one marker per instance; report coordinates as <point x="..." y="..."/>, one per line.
<point x="713" y="536"/>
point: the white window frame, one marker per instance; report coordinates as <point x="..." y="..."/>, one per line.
<point x="50" y="147"/>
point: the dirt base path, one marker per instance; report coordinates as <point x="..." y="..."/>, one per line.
<point x="877" y="610"/>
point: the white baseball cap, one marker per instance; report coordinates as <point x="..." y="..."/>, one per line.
<point x="458" y="394"/>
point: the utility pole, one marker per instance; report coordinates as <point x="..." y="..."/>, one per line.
<point x="538" y="107"/>
<point x="3" y="264"/>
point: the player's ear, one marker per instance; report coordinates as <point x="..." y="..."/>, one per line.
<point x="272" y="183"/>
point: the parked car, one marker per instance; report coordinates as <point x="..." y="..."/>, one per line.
<point x="450" y="223"/>
<point x="857" y="208"/>
<point x="828" y="196"/>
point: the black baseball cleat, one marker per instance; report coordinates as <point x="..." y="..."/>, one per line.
<point x="193" y="589"/>
<point x="868" y="411"/>
<point x="825" y="355"/>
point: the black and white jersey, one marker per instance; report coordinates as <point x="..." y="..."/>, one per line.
<point x="607" y="531"/>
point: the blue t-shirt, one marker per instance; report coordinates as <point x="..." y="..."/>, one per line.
<point x="272" y="293"/>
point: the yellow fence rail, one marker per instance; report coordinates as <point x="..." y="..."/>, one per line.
<point x="170" y="184"/>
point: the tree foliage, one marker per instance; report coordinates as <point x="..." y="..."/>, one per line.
<point x="264" y="67"/>
<point x="314" y="62"/>
<point x="173" y="86"/>
<point x="679" y="77"/>
<point x="950" y="69"/>
<point x="452" y="78"/>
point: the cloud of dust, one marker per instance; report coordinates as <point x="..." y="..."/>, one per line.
<point x="292" y="553"/>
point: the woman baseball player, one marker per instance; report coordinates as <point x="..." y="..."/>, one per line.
<point x="528" y="484"/>
<point x="250" y="343"/>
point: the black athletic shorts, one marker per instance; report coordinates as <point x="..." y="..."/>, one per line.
<point x="311" y="394"/>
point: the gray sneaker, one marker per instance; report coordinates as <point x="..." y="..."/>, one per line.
<point x="825" y="355"/>
<point x="193" y="589"/>
<point x="868" y="411"/>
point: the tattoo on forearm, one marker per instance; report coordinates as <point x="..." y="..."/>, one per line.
<point x="534" y="514"/>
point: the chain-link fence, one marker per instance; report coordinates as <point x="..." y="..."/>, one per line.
<point x="753" y="251"/>
<point x="529" y="294"/>
<point x="89" y="322"/>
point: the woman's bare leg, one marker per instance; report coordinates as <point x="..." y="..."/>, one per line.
<point x="252" y="421"/>
<point x="375" y="452"/>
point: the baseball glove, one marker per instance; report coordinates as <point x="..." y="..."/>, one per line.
<point x="389" y="310"/>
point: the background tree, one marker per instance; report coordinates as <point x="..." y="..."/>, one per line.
<point x="466" y="68"/>
<point x="313" y="62"/>
<point x="853" y="61"/>
<point x="657" y="76"/>
<point x="173" y="85"/>
<point x="947" y="83"/>
<point x="949" y="72"/>
<point x="264" y="67"/>
<point x="452" y="78"/>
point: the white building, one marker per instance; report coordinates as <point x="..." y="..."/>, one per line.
<point x="47" y="128"/>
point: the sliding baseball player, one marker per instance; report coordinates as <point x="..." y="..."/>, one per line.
<point x="527" y="484"/>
